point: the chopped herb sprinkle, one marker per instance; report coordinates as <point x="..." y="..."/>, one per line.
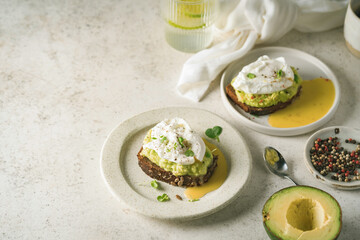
<point x="251" y="75"/>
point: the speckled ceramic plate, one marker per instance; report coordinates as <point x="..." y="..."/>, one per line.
<point x="309" y="68"/>
<point x="344" y="133"/>
<point x="128" y="183"/>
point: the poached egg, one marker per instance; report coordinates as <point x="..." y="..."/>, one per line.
<point x="264" y="76"/>
<point x="175" y="141"/>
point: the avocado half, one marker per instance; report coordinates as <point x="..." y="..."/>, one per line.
<point x="302" y="212"/>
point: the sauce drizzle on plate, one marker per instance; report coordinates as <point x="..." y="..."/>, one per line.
<point x="314" y="102"/>
<point x="216" y="180"/>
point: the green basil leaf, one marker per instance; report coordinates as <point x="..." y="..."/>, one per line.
<point x="210" y="133"/>
<point x="217" y="130"/>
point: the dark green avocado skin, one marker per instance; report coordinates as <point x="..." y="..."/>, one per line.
<point x="271" y="234"/>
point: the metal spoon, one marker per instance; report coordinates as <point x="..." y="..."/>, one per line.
<point x="276" y="163"/>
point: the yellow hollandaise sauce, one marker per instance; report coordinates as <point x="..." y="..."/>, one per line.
<point x="215" y="181"/>
<point x="314" y="102"/>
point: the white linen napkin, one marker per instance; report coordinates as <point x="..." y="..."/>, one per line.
<point x="252" y="22"/>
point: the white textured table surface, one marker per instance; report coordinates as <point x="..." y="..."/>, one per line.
<point x="70" y="71"/>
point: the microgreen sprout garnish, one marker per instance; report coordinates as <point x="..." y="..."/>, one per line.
<point x="181" y="140"/>
<point x="154" y="138"/>
<point x="251" y="75"/>
<point x="207" y="154"/>
<point x="189" y="153"/>
<point x="279" y="73"/>
<point x="296" y="78"/>
<point x="193" y="200"/>
<point x="154" y="184"/>
<point x="162" y="139"/>
<point x="163" y="198"/>
<point x="214" y="132"/>
<point x="175" y="146"/>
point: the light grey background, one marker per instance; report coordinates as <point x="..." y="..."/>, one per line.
<point x="70" y="71"/>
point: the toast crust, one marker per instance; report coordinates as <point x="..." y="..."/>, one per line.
<point x="230" y="91"/>
<point x="154" y="171"/>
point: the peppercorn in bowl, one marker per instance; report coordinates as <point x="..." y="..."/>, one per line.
<point x="332" y="155"/>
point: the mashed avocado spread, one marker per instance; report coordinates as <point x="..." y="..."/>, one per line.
<point x="267" y="100"/>
<point x="196" y="169"/>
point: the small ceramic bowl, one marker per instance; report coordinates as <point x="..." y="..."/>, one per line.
<point x="352" y="27"/>
<point x="344" y="133"/>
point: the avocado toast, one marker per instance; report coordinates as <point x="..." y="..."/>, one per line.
<point x="158" y="173"/>
<point x="175" y="154"/>
<point x="231" y="92"/>
<point x="265" y="86"/>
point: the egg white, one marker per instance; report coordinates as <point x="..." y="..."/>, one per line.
<point x="166" y="141"/>
<point x="266" y="80"/>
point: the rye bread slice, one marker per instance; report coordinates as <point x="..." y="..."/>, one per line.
<point x="154" y="171"/>
<point x="230" y="91"/>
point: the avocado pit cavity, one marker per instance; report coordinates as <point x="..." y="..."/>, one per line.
<point x="302" y="213"/>
<point x="306" y="215"/>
